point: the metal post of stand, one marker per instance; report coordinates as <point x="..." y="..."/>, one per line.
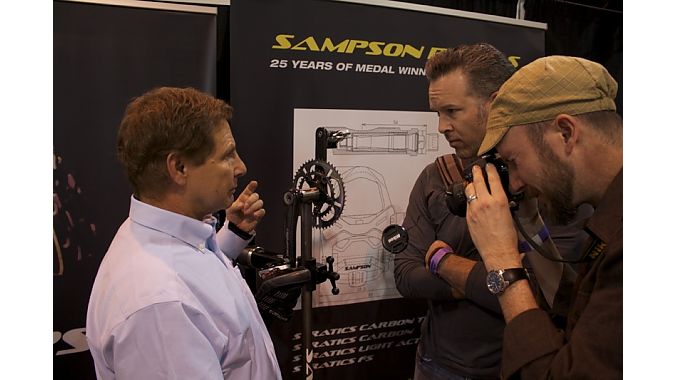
<point x="306" y="298"/>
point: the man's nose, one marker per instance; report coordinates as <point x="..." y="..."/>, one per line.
<point x="444" y="125"/>
<point x="516" y="185"/>
<point x="240" y="167"/>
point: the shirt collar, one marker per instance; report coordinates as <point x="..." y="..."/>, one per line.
<point x="186" y="229"/>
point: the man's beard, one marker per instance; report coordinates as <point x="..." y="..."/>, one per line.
<point x="557" y="188"/>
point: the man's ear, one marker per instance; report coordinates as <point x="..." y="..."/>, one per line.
<point x="569" y="130"/>
<point x="178" y="171"/>
<point x="492" y="97"/>
<point x="487" y="103"/>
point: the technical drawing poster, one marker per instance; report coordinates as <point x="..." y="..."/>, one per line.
<point x="378" y="163"/>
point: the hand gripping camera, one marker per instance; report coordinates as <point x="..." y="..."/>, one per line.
<point x="450" y="167"/>
<point x="455" y="175"/>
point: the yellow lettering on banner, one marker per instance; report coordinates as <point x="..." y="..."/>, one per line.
<point x="393" y="50"/>
<point x="307" y="43"/>
<point x="340" y="48"/>
<point x="375" y="48"/>
<point x="349" y="46"/>
<point x="356" y="44"/>
<point x="412" y="51"/>
<point x="283" y="41"/>
<point x="434" y="51"/>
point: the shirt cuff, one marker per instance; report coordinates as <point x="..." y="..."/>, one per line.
<point x="476" y="289"/>
<point x="238" y="231"/>
<point x="230" y="243"/>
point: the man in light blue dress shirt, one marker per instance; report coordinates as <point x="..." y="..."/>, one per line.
<point x="167" y="302"/>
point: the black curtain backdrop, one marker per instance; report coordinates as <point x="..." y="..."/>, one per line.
<point x="590" y="29"/>
<point x="585" y="31"/>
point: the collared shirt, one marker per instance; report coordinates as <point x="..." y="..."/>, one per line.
<point x="168" y="304"/>
<point x="591" y="345"/>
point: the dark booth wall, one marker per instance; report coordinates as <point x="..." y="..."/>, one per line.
<point x="590" y="29"/>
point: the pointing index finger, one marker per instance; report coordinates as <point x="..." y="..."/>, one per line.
<point x="250" y="188"/>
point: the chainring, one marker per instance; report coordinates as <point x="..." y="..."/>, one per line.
<point x="323" y="176"/>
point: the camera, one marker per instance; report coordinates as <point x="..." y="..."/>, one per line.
<point x="493" y="158"/>
<point x="455" y="196"/>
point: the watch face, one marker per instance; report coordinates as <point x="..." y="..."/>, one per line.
<point x="495" y="282"/>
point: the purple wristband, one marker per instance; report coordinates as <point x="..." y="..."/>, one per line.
<point x="437" y="257"/>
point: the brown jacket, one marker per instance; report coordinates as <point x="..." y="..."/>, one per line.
<point x="591" y="345"/>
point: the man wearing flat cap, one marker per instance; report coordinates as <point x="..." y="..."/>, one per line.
<point x="554" y="123"/>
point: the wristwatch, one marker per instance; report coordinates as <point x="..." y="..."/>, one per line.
<point x="498" y="280"/>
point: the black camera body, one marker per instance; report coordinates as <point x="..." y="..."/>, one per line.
<point x="455" y="196"/>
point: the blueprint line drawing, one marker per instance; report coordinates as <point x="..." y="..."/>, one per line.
<point x="388" y="139"/>
<point x="354" y="240"/>
<point x="379" y="163"/>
